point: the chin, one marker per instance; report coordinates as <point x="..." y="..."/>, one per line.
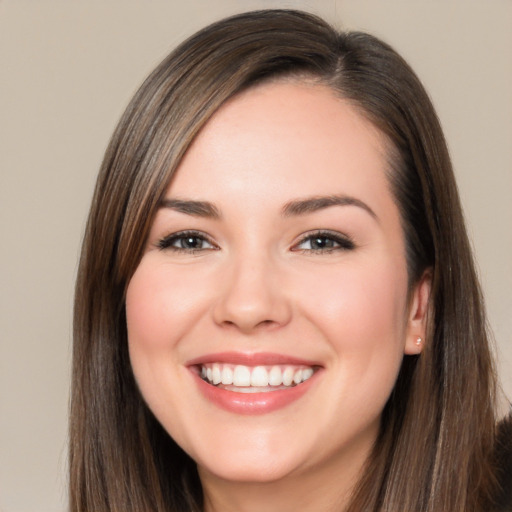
<point x="245" y="460"/>
<point x="258" y="471"/>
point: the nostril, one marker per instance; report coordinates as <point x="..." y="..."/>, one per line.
<point x="247" y="328"/>
<point x="249" y="305"/>
<point x="266" y="323"/>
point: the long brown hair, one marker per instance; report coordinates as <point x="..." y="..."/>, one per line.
<point x="434" y="451"/>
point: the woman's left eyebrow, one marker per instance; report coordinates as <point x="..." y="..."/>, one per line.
<point x="191" y="207"/>
<point x="315" y="203"/>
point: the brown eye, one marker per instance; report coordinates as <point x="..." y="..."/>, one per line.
<point x="190" y="242"/>
<point x="186" y="242"/>
<point x="325" y="242"/>
<point x="322" y="242"/>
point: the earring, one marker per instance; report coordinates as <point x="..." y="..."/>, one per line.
<point x="418" y="341"/>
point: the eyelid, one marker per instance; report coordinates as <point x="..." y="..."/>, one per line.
<point x="343" y="241"/>
<point x="165" y="243"/>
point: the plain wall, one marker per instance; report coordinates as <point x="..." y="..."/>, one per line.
<point x="67" y="70"/>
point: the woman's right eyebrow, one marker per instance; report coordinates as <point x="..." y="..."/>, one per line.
<point x="191" y="207"/>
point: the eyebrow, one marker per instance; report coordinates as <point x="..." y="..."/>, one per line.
<point x="296" y="207"/>
<point x="190" y="207"/>
<point x="313" y="204"/>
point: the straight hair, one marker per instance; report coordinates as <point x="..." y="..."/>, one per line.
<point x="435" y="447"/>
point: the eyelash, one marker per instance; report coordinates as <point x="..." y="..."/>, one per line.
<point x="343" y="242"/>
<point x="167" y="242"/>
<point x="339" y="242"/>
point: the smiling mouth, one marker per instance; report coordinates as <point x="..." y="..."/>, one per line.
<point x="254" y="379"/>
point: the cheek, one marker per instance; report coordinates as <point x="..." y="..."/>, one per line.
<point x="357" y="299"/>
<point x="148" y="329"/>
<point x="361" y="311"/>
<point x="161" y="306"/>
<point x="146" y="317"/>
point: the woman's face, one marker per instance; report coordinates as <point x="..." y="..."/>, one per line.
<point x="268" y="317"/>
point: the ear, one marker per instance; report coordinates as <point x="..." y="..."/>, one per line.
<point x="418" y="312"/>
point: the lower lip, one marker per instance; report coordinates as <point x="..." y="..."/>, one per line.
<point x="253" y="403"/>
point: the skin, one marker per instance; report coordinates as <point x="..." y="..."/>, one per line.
<point x="256" y="285"/>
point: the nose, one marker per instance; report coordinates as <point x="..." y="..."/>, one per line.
<point x="252" y="296"/>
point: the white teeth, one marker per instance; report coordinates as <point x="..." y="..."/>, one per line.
<point x="288" y="376"/>
<point x="275" y="376"/>
<point x="250" y="389"/>
<point x="242" y="376"/>
<point x="259" y="377"/>
<point x="307" y="373"/>
<point x="254" y="379"/>
<point x="216" y="376"/>
<point x="227" y="375"/>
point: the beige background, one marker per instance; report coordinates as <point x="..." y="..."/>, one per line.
<point x="68" y="69"/>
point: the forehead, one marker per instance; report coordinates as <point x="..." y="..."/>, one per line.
<point x="289" y="138"/>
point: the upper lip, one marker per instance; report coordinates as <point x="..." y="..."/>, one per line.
<point x="251" y="359"/>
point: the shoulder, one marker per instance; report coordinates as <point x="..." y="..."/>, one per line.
<point x="504" y="458"/>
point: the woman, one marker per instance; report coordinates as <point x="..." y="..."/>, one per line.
<point x="276" y="304"/>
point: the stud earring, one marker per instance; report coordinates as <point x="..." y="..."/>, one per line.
<point x="418" y="341"/>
